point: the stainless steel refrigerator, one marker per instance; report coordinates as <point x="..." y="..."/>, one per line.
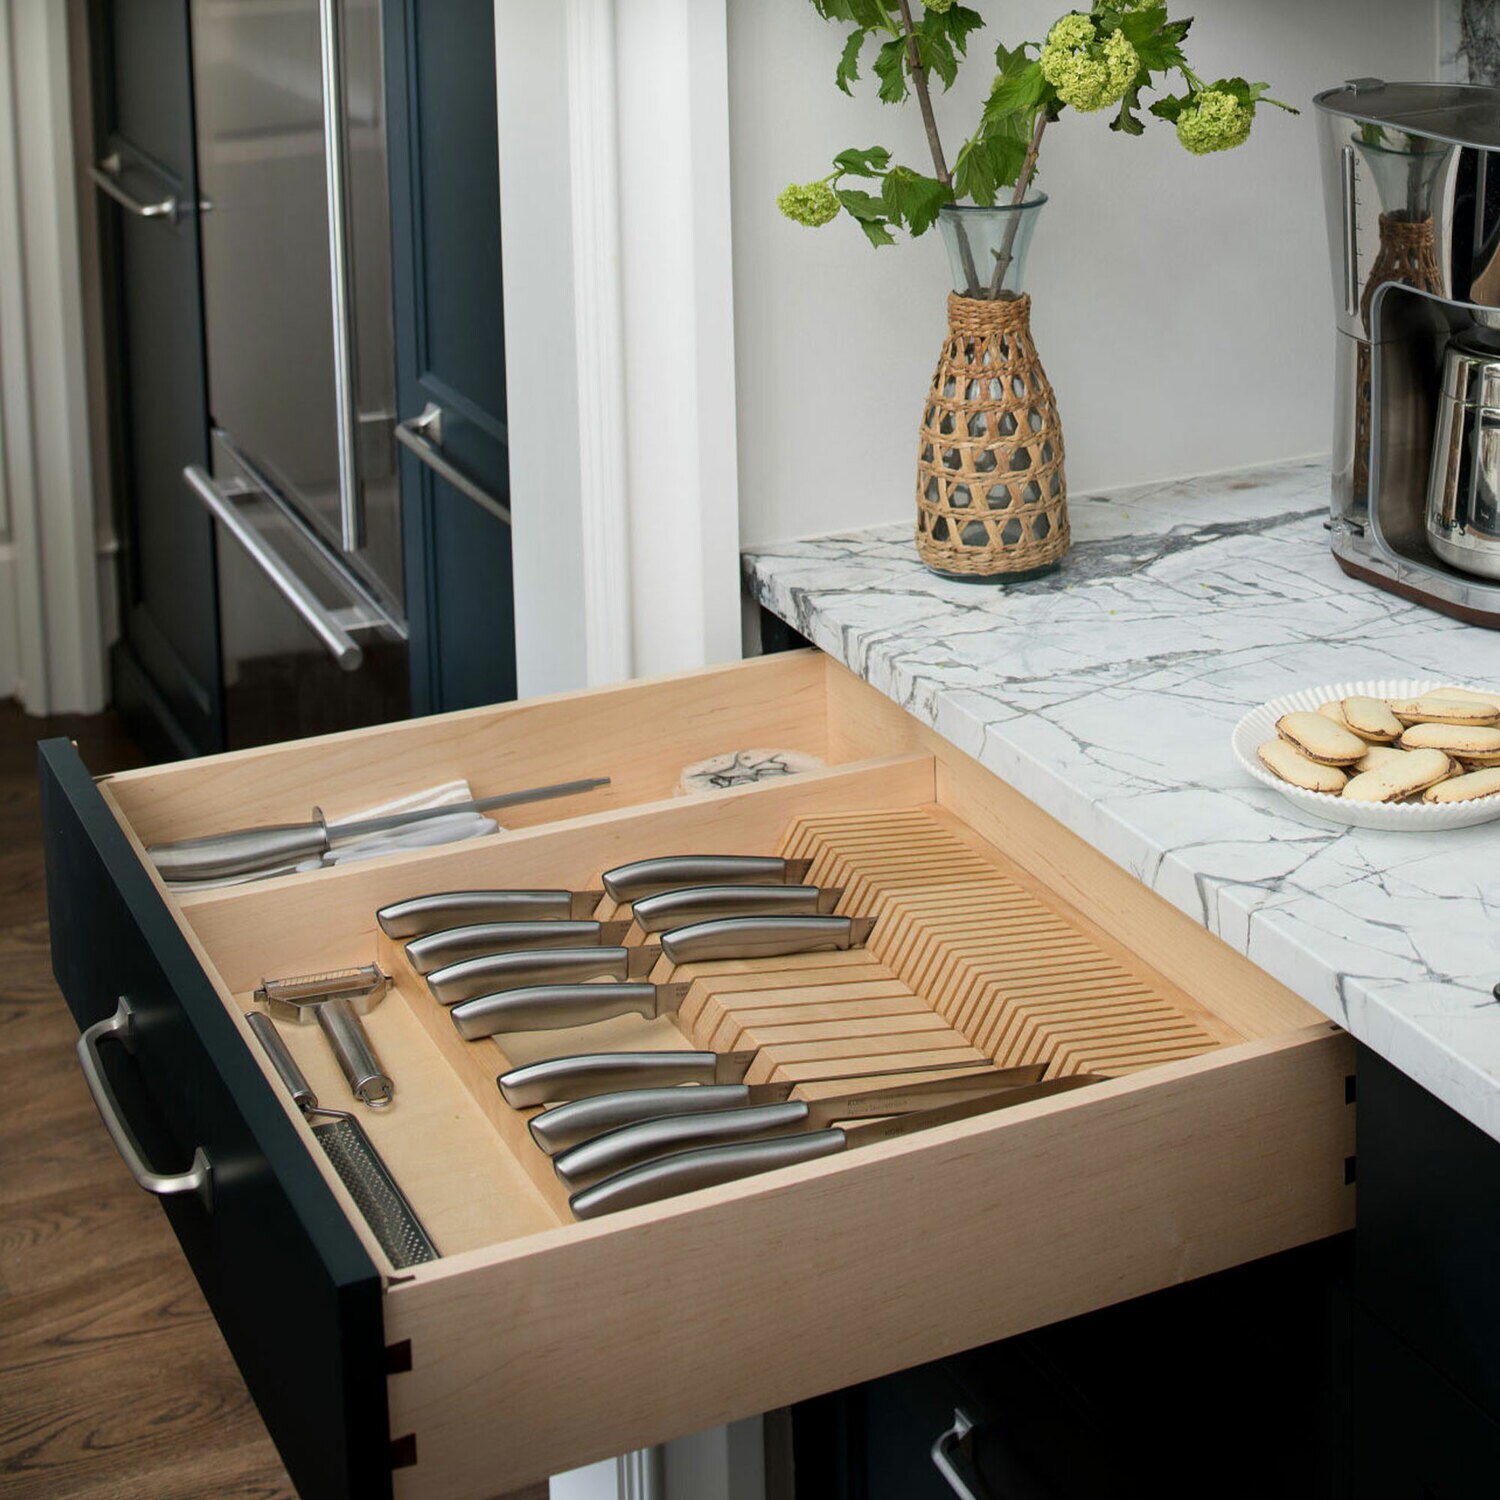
<point x="295" y="233"/>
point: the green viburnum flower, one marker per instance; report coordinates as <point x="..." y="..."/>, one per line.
<point x="1087" y="74"/>
<point x="1214" y="121"/>
<point x="810" y="203"/>
<point x="940" y="6"/>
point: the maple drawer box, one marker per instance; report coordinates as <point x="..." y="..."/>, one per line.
<point x="536" y="1343"/>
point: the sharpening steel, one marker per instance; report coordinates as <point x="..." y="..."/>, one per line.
<point x="244" y="850"/>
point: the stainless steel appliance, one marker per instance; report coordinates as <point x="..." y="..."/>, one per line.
<point x="1463" y="486"/>
<point x="1411" y="177"/>
<point x="296" y="248"/>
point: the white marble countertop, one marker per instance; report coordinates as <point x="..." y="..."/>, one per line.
<point x="1107" y="692"/>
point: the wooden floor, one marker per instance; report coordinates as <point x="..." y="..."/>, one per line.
<point x="114" y="1381"/>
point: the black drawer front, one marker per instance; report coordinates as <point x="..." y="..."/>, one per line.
<point x="297" y="1298"/>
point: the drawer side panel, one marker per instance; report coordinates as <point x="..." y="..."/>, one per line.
<point x="295" y="1294"/>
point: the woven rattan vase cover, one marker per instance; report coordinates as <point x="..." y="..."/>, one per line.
<point x="991" y="498"/>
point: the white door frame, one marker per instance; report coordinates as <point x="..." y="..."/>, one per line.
<point x="619" y="349"/>
<point x="614" y="192"/>
<point x="51" y="643"/>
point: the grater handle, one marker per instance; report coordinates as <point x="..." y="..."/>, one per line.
<point x="370" y="1083"/>
<point x="282" y="1060"/>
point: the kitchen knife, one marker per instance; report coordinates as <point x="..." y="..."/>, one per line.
<point x="591" y="1161"/>
<point x="434" y="950"/>
<point x="701" y="903"/>
<point x="432" y="913"/>
<point x="710" y="1166"/>
<point x="245" y="849"/>
<point x="471" y="977"/>
<point x="646" y="877"/>
<point x="556" y="1080"/>
<point x="762" y="937"/>
<point x="551" y="1007"/>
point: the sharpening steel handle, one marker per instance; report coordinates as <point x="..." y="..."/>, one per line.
<point x="709" y="1166"/>
<point x="566" y="1125"/>
<point x="219" y="855"/>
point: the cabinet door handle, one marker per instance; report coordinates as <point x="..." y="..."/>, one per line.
<point x="106" y="175"/>
<point x="422" y="435"/>
<point x="341" y="645"/>
<point x="948" y="1453"/>
<point x="120" y="1028"/>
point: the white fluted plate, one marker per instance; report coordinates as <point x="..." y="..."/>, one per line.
<point x="1259" y="725"/>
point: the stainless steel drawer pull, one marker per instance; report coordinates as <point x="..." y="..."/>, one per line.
<point x="422" y="435"/>
<point x="946" y="1453"/>
<point x="320" y="620"/>
<point x="106" y="177"/>
<point x="199" y="1177"/>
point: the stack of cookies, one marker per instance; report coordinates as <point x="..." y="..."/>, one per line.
<point x="1442" y="747"/>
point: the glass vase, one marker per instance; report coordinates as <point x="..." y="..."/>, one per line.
<point x="991" y="494"/>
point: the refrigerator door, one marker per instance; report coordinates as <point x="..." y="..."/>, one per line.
<point x="296" y="263"/>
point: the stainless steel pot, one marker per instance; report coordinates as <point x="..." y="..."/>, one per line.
<point x="1463" y="484"/>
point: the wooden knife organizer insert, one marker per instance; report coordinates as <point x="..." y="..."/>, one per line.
<point x="1219" y="1135"/>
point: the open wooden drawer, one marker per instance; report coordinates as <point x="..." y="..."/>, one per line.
<point x="535" y="1343"/>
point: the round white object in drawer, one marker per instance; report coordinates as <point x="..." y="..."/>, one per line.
<point x="1259" y="725"/>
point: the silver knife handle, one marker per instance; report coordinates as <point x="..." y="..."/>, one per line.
<point x="592" y="1161"/>
<point x="755" y="937"/>
<point x="368" y="1081"/>
<point x="434" y="950"/>
<point x="282" y="1060"/>
<point x="558" y="1079"/>
<point x="551" y="1007"/>
<point x="443" y="909"/>
<point x="565" y="1125"/>
<point x="238" y="853"/>
<point x="471" y="977"/>
<point x="646" y="877"/>
<point x="709" y="1166"/>
<point x="702" y="903"/>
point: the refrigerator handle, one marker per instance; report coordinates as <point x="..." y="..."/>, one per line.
<point x="341" y="645"/>
<point x="424" y="436"/>
<point x="351" y="506"/>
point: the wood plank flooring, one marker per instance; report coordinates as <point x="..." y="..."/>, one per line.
<point x="114" y="1381"/>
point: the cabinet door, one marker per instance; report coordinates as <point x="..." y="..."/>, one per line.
<point x="450" y="351"/>
<point x="166" y="664"/>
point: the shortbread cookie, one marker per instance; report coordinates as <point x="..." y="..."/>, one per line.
<point x="1390" y="783"/>
<point x="1377" y="756"/>
<point x="1288" y="763"/>
<point x="1320" y="739"/>
<point x="1431" y="708"/>
<point x="1467" y="788"/>
<point x="1371" y="719"/>
<point x="1466" y="741"/>
<point x="1466" y="695"/>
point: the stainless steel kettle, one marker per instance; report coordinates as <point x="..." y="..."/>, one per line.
<point x="1463" y="484"/>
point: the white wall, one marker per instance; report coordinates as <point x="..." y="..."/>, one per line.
<point x="1181" y="304"/>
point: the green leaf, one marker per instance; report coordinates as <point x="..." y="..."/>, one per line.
<point x="848" y="68"/>
<point x="1160" y="51"/>
<point x="992" y="160"/>
<point x="1169" y="107"/>
<point x="861" y="205"/>
<point x="959" y="22"/>
<point x="890" y="69"/>
<point x="1127" y="121"/>
<point x="869" y="161"/>
<point x="866" y="14"/>
<point x="876" y="232"/>
<point x="913" y="198"/>
<point x="935" y="53"/>
<point x="1019" y="91"/>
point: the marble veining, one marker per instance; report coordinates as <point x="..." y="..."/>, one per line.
<point x="1107" y="691"/>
